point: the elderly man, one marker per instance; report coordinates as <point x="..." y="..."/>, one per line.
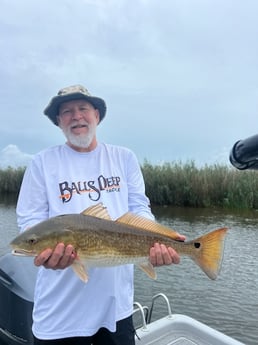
<point x="67" y="179"/>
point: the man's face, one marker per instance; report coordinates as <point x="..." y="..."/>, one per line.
<point x="78" y="119"/>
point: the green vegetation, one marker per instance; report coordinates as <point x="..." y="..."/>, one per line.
<point x="177" y="184"/>
<point x="10" y="182"/>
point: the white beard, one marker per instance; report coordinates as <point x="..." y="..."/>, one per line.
<point x="80" y="140"/>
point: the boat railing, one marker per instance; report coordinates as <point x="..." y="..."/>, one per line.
<point x="146" y="313"/>
<point x="154" y="298"/>
<point x="143" y="310"/>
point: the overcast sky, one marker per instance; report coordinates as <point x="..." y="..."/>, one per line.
<point x="180" y="77"/>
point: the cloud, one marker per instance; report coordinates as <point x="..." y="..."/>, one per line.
<point x="12" y="156"/>
<point x="179" y="77"/>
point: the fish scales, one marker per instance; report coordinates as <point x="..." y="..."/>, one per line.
<point x="100" y="241"/>
<point x="102" y="237"/>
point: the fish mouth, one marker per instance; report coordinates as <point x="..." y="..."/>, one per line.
<point x="23" y="252"/>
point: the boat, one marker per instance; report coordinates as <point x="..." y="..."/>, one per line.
<point x="176" y="329"/>
<point x="17" y="280"/>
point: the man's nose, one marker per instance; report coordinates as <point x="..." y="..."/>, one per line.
<point x="77" y="114"/>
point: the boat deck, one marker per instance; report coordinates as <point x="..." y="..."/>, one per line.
<point x="177" y="329"/>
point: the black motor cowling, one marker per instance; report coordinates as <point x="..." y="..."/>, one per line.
<point x="17" y="281"/>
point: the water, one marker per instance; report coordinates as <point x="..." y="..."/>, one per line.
<point x="8" y="227"/>
<point x="228" y="304"/>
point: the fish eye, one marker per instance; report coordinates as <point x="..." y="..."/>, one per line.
<point x="32" y="240"/>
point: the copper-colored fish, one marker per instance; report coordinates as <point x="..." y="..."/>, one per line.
<point x="100" y="241"/>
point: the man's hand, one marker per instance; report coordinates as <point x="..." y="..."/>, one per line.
<point x="162" y="255"/>
<point x="61" y="257"/>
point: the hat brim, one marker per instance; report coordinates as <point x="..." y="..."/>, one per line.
<point x="52" y="109"/>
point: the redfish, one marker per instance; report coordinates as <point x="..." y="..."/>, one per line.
<point x="100" y="241"/>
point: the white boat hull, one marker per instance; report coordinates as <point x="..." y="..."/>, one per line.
<point x="181" y="330"/>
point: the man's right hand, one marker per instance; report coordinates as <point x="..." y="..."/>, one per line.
<point x="59" y="258"/>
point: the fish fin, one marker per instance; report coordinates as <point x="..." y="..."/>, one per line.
<point x="148" y="268"/>
<point x="210" y="249"/>
<point x="142" y="223"/>
<point x="98" y="211"/>
<point x="80" y="270"/>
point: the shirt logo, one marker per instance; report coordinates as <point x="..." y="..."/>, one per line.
<point x="93" y="188"/>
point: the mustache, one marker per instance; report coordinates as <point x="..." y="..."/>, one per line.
<point x="81" y="123"/>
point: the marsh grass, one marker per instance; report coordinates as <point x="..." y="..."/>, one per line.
<point x="10" y="182"/>
<point x="176" y="184"/>
<point x="183" y="184"/>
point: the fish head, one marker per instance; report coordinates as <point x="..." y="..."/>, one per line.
<point x="29" y="244"/>
<point x="40" y="237"/>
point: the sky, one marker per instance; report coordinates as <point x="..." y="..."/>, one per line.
<point x="180" y="77"/>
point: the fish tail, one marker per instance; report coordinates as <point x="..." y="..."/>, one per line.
<point x="209" y="253"/>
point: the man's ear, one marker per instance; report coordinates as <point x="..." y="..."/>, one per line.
<point x="58" y="120"/>
<point x="97" y="115"/>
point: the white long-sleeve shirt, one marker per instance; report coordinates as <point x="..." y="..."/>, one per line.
<point x="58" y="181"/>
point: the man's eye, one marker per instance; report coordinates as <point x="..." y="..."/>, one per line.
<point x="65" y="112"/>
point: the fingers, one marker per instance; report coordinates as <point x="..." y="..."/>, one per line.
<point x="181" y="238"/>
<point x="162" y="255"/>
<point x="61" y="257"/>
<point x="42" y="257"/>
